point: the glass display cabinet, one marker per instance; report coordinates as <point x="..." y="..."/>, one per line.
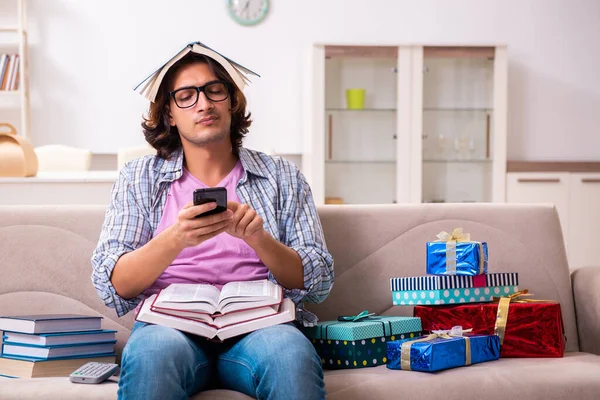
<point x="408" y="124"/>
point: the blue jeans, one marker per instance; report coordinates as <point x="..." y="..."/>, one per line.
<point x="276" y="362"/>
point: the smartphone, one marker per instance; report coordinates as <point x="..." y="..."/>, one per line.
<point x="210" y="195"/>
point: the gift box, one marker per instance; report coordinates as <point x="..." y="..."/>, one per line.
<point x="456" y="254"/>
<point x="531" y="330"/>
<point x="450" y="296"/>
<point x="348" y="344"/>
<point x="439" y="282"/>
<point x="440" y="351"/>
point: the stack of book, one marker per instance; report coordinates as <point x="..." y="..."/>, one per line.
<point x="52" y="345"/>
<point x="204" y="310"/>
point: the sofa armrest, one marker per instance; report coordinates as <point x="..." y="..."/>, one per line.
<point x="586" y="293"/>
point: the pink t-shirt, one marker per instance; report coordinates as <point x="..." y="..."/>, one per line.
<point x="216" y="261"/>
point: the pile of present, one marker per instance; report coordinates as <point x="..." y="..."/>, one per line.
<point x="470" y="316"/>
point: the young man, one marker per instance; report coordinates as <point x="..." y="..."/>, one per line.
<point x="151" y="238"/>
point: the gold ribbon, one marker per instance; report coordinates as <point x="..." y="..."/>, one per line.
<point x="455" y="332"/>
<point x="503" y="306"/>
<point x="451" y="239"/>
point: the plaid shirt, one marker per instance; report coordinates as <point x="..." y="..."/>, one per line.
<point x="272" y="186"/>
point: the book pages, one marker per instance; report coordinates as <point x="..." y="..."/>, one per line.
<point x="188" y="293"/>
<point x="234" y="73"/>
<point x="149" y="86"/>
<point x="152" y="90"/>
<point x="246" y="289"/>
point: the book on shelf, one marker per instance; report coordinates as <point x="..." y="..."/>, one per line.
<point x="149" y="86"/>
<point x="50" y="323"/>
<point x="49" y="352"/>
<point x="65" y="338"/>
<point x="27" y="367"/>
<point x="9" y="71"/>
<point x="191" y="299"/>
<point x="285" y="312"/>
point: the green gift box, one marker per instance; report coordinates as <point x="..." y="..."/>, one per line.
<point x="349" y="344"/>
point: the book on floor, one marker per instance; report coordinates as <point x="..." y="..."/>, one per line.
<point x="26" y="367"/>
<point x="50" y="323"/>
<point x="285" y="313"/>
<point x="53" y="339"/>
<point x="149" y="86"/>
<point x="187" y="299"/>
<point x="50" y="352"/>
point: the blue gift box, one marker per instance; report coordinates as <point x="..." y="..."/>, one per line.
<point x="457" y="258"/>
<point x="434" y="353"/>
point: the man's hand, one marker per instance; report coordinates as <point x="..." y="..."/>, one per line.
<point x="189" y="231"/>
<point x="246" y="224"/>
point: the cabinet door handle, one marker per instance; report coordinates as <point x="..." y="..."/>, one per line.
<point x="590" y="180"/>
<point x="539" y="180"/>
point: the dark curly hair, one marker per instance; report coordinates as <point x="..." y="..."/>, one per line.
<point x="164" y="137"/>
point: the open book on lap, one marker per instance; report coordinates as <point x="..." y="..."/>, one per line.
<point x="185" y="299"/>
<point x="238" y="325"/>
<point x="222" y="320"/>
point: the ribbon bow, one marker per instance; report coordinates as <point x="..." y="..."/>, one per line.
<point x="455" y="332"/>
<point x="451" y="239"/>
<point x="516" y="298"/>
<point x="355" y="318"/>
<point x="504" y="304"/>
<point x="457" y="235"/>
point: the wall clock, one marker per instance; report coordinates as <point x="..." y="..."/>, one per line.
<point x="248" y="12"/>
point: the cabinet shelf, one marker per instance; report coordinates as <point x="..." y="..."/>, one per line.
<point x="458" y="161"/>
<point x="457" y="109"/>
<point x="9" y="38"/>
<point x="361" y="110"/>
<point x="9" y="99"/>
<point x="360" y="161"/>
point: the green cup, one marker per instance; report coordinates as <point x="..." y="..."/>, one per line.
<point x="355" y="99"/>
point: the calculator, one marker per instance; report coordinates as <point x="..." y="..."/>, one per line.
<point x="93" y="372"/>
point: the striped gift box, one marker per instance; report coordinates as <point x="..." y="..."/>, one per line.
<point x="439" y="282"/>
<point x="450" y="296"/>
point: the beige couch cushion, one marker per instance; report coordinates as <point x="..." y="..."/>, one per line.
<point x="572" y="377"/>
<point x="46" y="253"/>
<point x="63" y="389"/>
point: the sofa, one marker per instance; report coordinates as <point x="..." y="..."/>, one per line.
<point x="45" y="268"/>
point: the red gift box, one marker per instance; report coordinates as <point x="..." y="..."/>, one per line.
<point x="532" y="329"/>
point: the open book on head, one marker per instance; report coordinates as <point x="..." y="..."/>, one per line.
<point x="149" y="86"/>
<point x="238" y="325"/>
<point x="189" y="299"/>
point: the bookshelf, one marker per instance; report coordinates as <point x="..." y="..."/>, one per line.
<point x="14" y="104"/>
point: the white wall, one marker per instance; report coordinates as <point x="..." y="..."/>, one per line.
<point x="86" y="55"/>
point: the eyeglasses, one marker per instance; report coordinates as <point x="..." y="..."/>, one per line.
<point x="187" y="97"/>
